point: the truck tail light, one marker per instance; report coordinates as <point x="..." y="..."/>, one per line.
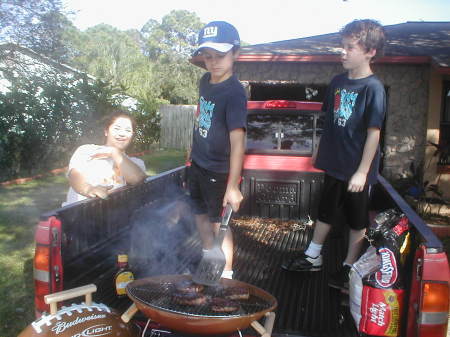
<point x="433" y="316"/>
<point x="47" y="262"/>
<point x="41" y="277"/>
<point x="41" y="260"/>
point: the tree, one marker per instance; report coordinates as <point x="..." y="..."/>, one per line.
<point x="175" y="36"/>
<point x="110" y="54"/>
<point x="37" y="24"/>
<point x="47" y="110"/>
<point x="169" y="45"/>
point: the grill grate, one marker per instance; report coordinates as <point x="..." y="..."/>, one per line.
<point x="158" y="296"/>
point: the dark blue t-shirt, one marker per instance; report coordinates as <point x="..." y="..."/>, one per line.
<point x="351" y="107"/>
<point x="222" y="107"/>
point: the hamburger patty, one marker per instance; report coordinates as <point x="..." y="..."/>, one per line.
<point x="188" y="286"/>
<point x="236" y="293"/>
<point x="223" y="305"/>
<point x="189" y="298"/>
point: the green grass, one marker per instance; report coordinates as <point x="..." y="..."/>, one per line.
<point x="160" y="161"/>
<point x="20" y="207"/>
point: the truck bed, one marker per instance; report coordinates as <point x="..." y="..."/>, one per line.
<point x="137" y="219"/>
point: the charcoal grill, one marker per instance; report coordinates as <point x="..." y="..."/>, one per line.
<point x="152" y="296"/>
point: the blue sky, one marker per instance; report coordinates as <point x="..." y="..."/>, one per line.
<point x="260" y="21"/>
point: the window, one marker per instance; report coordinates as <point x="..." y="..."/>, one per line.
<point x="263" y="91"/>
<point x="284" y="132"/>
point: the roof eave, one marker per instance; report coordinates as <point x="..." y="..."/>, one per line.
<point x="328" y="58"/>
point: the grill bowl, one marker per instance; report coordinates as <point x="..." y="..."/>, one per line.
<point x="152" y="297"/>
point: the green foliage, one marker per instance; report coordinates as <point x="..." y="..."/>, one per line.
<point x="169" y="45"/>
<point x="36" y="24"/>
<point x="48" y="109"/>
<point x="175" y="36"/>
<point x="152" y="64"/>
<point x="114" y="56"/>
<point x="148" y="126"/>
<point x="45" y="113"/>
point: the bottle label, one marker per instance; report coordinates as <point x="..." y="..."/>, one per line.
<point x="122" y="280"/>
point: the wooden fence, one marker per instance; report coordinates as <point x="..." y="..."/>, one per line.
<point x="177" y="122"/>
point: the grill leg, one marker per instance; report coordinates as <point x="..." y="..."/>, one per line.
<point x="127" y="315"/>
<point x="266" y="330"/>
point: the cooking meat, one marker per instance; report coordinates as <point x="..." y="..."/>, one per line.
<point x="237" y="293"/>
<point x="188" y="286"/>
<point x="223" y="305"/>
<point x="189" y="298"/>
<point x="215" y="290"/>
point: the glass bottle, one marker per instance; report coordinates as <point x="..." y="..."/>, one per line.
<point x="123" y="276"/>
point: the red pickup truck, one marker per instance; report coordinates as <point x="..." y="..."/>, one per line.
<point x="78" y="244"/>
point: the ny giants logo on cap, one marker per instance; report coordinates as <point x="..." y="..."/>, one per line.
<point x="210" y="32"/>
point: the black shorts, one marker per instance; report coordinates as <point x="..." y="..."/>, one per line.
<point x="337" y="203"/>
<point x="207" y="189"/>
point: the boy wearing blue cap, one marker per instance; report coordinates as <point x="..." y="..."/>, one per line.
<point x="219" y="136"/>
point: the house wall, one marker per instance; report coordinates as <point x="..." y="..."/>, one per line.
<point x="406" y="120"/>
<point x="433" y="133"/>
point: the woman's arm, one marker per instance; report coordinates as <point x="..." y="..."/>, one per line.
<point x="80" y="185"/>
<point x="233" y="195"/>
<point x="131" y="172"/>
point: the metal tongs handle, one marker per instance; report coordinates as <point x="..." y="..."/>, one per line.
<point x="226" y="215"/>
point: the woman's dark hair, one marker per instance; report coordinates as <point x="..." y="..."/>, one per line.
<point x="117" y="113"/>
<point x="370" y="34"/>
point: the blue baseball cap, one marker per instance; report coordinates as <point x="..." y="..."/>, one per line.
<point x="218" y="35"/>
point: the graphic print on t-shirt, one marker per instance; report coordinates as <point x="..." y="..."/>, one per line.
<point x="344" y="103"/>
<point x="205" y="117"/>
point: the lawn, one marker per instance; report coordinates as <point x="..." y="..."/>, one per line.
<point x="20" y="207"/>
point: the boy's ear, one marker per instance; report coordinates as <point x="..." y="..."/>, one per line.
<point x="236" y="54"/>
<point x="372" y="52"/>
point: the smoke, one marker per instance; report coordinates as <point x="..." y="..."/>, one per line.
<point x="164" y="239"/>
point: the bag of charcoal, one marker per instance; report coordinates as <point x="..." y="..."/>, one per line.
<point x="376" y="288"/>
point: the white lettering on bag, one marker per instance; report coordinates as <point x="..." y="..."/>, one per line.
<point x="387" y="275"/>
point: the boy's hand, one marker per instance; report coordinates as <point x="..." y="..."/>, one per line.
<point x="233" y="196"/>
<point x="357" y="182"/>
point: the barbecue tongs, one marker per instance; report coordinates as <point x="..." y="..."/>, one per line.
<point x="211" y="265"/>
